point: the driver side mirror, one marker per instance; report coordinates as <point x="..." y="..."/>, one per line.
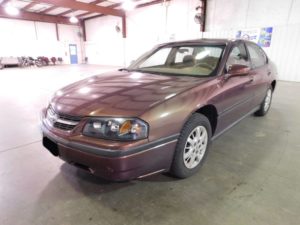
<point x="238" y="70"/>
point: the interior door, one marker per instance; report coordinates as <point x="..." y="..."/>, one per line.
<point x="73" y="54"/>
<point x="236" y="91"/>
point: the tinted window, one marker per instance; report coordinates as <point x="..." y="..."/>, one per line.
<point x="257" y="55"/>
<point x="238" y="55"/>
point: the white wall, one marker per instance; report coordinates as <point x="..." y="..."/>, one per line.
<point x="233" y="14"/>
<point x="224" y="20"/>
<point x="104" y="45"/>
<point x="155" y="24"/>
<point x="26" y="38"/>
<point x="146" y="27"/>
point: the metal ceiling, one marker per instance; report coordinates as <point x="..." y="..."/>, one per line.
<point x="59" y="11"/>
<point x="83" y="9"/>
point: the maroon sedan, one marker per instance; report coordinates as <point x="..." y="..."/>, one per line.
<point x="161" y="113"/>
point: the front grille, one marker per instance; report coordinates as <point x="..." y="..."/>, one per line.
<point x="68" y="117"/>
<point x="63" y="126"/>
<point x="62" y="121"/>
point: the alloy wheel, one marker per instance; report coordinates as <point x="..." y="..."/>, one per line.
<point x="268" y="99"/>
<point x="195" y="147"/>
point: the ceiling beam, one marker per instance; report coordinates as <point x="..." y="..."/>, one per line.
<point x="92" y="3"/>
<point x="151" y="3"/>
<point x="84" y="14"/>
<point x="35" y="17"/>
<point x="137" y="6"/>
<point x="82" y="24"/>
<point x="31" y="4"/>
<point x="97" y="2"/>
<point x="65" y="12"/>
<point x="119" y="4"/>
<point x="115" y="5"/>
<point x="93" y="17"/>
<point x="49" y="9"/>
<point x="83" y="6"/>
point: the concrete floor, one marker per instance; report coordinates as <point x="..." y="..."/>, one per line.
<point x="251" y="175"/>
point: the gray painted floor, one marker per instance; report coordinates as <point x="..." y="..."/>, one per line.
<point x="251" y="175"/>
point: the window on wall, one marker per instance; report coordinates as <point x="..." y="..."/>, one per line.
<point x="238" y="55"/>
<point x="257" y="55"/>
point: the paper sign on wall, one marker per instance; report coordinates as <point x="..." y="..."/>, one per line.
<point x="261" y="36"/>
<point x="265" y="37"/>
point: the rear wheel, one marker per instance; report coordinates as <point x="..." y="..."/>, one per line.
<point x="192" y="146"/>
<point x="266" y="104"/>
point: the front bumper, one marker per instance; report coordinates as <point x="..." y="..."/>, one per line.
<point x="113" y="164"/>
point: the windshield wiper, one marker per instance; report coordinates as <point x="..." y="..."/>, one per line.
<point x="124" y="69"/>
<point x="168" y="74"/>
<point x="145" y="71"/>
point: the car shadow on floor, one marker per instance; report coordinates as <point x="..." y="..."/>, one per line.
<point x="237" y="166"/>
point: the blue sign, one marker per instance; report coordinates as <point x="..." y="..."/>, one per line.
<point x="261" y="36"/>
<point x="265" y="37"/>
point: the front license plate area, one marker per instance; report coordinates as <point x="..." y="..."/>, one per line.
<point x="51" y="146"/>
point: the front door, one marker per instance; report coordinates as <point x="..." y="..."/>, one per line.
<point x="73" y="54"/>
<point x="237" y="95"/>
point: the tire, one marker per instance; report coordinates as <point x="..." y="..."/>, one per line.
<point x="186" y="152"/>
<point x="266" y="104"/>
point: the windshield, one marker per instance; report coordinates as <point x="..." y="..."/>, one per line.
<point x="200" y="60"/>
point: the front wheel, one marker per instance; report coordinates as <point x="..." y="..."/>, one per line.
<point x="192" y="146"/>
<point x="266" y="104"/>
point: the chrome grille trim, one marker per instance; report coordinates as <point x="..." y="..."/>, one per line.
<point x="62" y="121"/>
<point x="67" y="122"/>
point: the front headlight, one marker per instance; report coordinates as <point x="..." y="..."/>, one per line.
<point x="123" y="129"/>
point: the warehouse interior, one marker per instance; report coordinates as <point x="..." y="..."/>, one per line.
<point x="251" y="173"/>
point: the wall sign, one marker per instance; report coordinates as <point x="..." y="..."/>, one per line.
<point x="261" y="36"/>
<point x="265" y="37"/>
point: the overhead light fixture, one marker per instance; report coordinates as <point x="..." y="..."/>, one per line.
<point x="73" y="19"/>
<point x="11" y="10"/>
<point x="128" y="5"/>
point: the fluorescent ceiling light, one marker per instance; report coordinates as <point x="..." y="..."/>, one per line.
<point x="13" y="11"/>
<point x="128" y="5"/>
<point x="73" y="19"/>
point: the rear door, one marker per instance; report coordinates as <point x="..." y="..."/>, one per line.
<point x="236" y="91"/>
<point x="259" y="73"/>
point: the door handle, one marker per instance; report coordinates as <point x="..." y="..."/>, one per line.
<point x="269" y="73"/>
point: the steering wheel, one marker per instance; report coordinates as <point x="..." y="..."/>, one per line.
<point x="205" y="65"/>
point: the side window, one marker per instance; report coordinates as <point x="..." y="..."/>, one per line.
<point x="238" y="55"/>
<point x="257" y="55"/>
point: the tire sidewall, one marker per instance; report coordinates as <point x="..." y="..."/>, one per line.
<point x="263" y="104"/>
<point x="178" y="167"/>
<point x="262" y="111"/>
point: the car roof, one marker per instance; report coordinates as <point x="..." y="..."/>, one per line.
<point x="203" y="41"/>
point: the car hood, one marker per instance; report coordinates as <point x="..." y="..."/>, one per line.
<point x="120" y="93"/>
